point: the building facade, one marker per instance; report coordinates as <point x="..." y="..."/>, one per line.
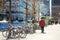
<point x="56" y="10"/>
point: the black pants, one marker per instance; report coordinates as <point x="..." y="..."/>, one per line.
<point x="42" y="29"/>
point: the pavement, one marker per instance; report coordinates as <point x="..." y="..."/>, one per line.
<point x="52" y="32"/>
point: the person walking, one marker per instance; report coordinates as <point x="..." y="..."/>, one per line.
<point x="42" y="24"/>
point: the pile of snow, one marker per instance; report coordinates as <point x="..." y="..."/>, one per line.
<point x="3" y="21"/>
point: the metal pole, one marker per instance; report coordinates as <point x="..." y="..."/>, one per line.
<point x="26" y="10"/>
<point x="50" y="8"/>
<point x="9" y="21"/>
<point x="38" y="11"/>
<point x="10" y="12"/>
<point x="33" y="8"/>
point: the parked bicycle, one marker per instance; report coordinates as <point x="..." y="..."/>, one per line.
<point x="14" y="32"/>
<point x="22" y="32"/>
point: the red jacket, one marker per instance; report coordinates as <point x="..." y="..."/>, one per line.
<point x="42" y="23"/>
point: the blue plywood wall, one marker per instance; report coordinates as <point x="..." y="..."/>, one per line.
<point x="16" y="5"/>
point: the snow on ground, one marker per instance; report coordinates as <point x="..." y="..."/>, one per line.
<point x="52" y="32"/>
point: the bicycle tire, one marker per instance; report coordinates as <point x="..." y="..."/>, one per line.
<point x="5" y="33"/>
<point x="23" y="34"/>
<point x="14" y="34"/>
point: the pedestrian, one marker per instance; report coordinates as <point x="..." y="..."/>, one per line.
<point x="42" y="24"/>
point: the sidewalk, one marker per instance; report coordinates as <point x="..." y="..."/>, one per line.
<point x="52" y="33"/>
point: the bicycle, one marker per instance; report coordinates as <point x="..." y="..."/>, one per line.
<point x="11" y="32"/>
<point x="22" y="32"/>
<point x="14" y="32"/>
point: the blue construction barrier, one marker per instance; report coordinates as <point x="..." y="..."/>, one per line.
<point x="18" y="25"/>
<point x="3" y="26"/>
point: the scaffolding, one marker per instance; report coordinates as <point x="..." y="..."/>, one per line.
<point x="29" y="7"/>
<point x="28" y="4"/>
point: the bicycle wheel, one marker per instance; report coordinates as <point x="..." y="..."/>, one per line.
<point x="14" y="33"/>
<point x="5" y="33"/>
<point x="23" y="34"/>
